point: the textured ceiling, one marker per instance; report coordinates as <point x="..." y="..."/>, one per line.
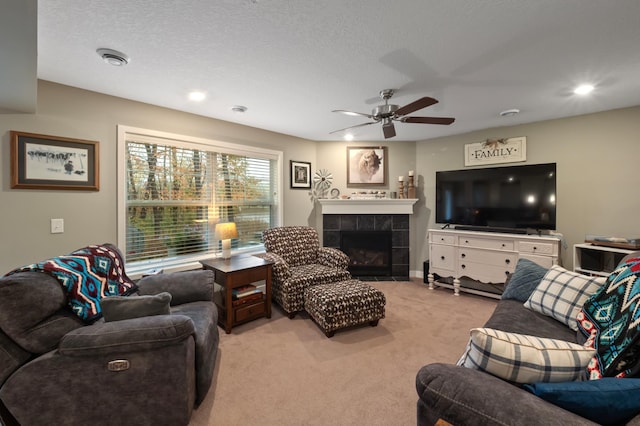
<point x="292" y="62"/>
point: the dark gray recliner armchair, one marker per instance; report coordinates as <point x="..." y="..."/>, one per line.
<point x="150" y="370"/>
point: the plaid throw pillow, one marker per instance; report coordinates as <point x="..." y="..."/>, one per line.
<point x="561" y="294"/>
<point x="519" y="358"/>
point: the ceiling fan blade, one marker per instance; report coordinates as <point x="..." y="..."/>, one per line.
<point x="343" y="111"/>
<point x="353" y="127"/>
<point x="388" y="129"/>
<point x="428" y="120"/>
<point x="416" y="105"/>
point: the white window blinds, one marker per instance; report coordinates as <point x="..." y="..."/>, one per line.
<point x="177" y="192"/>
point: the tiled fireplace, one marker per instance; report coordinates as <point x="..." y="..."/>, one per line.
<point x="374" y="233"/>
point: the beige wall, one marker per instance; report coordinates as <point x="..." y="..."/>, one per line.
<point x="597" y="172"/>
<point x="596" y="155"/>
<point x="91" y="217"/>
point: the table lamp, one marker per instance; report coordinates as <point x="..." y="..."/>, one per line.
<point x="225" y="232"/>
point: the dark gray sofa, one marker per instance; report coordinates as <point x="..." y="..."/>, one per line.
<point x="150" y="370"/>
<point x="463" y="396"/>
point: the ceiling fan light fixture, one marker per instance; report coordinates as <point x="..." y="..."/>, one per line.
<point x="113" y="57"/>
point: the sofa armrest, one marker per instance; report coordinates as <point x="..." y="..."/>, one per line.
<point x="460" y="395"/>
<point x="329" y="256"/>
<point x="184" y="287"/>
<point x="132" y="335"/>
<point x="280" y="268"/>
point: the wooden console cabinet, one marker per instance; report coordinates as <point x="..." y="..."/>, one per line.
<point x="487" y="257"/>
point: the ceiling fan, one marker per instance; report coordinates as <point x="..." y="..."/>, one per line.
<point x="388" y="113"/>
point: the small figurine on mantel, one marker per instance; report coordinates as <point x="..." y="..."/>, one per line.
<point x="411" y="189"/>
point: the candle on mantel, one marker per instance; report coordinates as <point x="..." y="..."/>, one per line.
<point x="400" y="178"/>
<point x="410" y="172"/>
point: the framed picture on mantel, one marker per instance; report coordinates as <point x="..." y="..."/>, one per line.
<point x="366" y="166"/>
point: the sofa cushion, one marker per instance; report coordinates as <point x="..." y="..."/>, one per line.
<point x="118" y="308"/>
<point x="34" y="312"/>
<point x="184" y="287"/>
<point x="520" y="358"/>
<point x="513" y="317"/>
<point x="562" y="293"/>
<point x="524" y="280"/>
<point x="607" y="401"/>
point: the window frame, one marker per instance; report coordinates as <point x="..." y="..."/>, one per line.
<point x="136" y="269"/>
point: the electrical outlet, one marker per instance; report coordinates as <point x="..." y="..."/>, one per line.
<point x="57" y="226"/>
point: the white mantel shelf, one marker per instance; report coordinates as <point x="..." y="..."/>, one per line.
<point x="368" y="206"/>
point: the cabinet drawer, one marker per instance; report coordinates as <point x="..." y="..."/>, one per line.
<point x="250" y="311"/>
<point x="538" y="248"/>
<point x="486" y="243"/>
<point x="442" y="257"/>
<point x="487" y="257"/>
<point x="443" y="239"/>
<point x="485" y="273"/>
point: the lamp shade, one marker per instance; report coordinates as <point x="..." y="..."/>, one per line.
<point x="226" y="231"/>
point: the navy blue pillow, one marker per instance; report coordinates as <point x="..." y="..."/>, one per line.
<point x="524" y="280"/>
<point x="608" y="401"/>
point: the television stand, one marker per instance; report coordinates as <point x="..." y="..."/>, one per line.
<point x="487" y="257"/>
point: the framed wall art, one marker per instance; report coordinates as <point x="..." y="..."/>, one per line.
<point x="52" y="162"/>
<point x="366" y="166"/>
<point x="300" y="177"/>
<point x="496" y="151"/>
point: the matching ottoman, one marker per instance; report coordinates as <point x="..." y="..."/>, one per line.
<point x="343" y="304"/>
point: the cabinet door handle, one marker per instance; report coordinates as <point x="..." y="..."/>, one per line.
<point x="535" y="248"/>
<point x="441" y="257"/>
<point x="441" y="239"/>
<point x="463" y="266"/>
<point x="463" y="255"/>
<point x="466" y="241"/>
<point x="507" y="261"/>
<point x="503" y="245"/>
<point x="506" y="273"/>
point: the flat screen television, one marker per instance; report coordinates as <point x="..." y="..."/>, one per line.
<point x="498" y="198"/>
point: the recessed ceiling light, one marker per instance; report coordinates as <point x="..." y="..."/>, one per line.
<point x="239" y="109"/>
<point x="113" y="57"/>
<point x="583" y="89"/>
<point x="197" y="96"/>
<point x="509" y="112"/>
<point x="348" y="137"/>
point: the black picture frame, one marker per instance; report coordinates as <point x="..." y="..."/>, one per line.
<point x="53" y="162"/>
<point x="299" y="174"/>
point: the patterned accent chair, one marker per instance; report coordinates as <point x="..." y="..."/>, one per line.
<point x="300" y="262"/>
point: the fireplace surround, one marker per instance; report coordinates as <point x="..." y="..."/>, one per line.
<point x="357" y="217"/>
<point x="334" y="225"/>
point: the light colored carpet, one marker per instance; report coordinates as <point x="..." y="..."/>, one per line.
<point x="287" y="372"/>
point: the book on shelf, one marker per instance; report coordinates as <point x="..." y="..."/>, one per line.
<point x="247" y="299"/>
<point x="244" y="291"/>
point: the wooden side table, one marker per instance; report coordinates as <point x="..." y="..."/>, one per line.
<point x="236" y="272"/>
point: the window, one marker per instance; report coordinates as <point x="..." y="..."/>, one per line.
<point x="175" y="189"/>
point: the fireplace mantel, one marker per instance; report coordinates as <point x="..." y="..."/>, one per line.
<point x="368" y="206"/>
